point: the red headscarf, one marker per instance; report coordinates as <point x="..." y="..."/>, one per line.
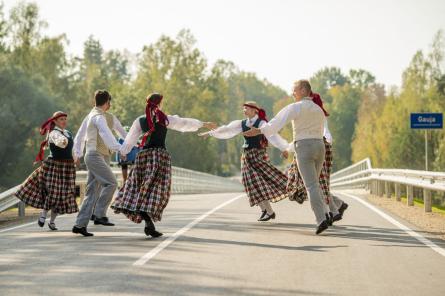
<point x="317" y="100"/>
<point x="45" y="129"/>
<point x="262" y="116"/>
<point x="261" y="112"/>
<point x="153" y="102"/>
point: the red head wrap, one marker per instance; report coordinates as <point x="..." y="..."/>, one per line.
<point x="45" y="128"/>
<point x="152" y="107"/>
<point x="261" y="112"/>
<point x="317" y="100"/>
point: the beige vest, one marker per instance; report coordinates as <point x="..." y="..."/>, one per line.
<point x="94" y="140"/>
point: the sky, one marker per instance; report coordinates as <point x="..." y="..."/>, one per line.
<point x="279" y="40"/>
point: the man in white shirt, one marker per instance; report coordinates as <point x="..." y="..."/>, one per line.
<point x="96" y="135"/>
<point x="308" y="122"/>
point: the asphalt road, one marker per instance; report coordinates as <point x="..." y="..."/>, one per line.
<point x="213" y="245"/>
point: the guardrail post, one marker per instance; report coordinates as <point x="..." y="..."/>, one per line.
<point x="427" y="200"/>
<point x="397" y="191"/>
<point x="371" y="187"/>
<point x="21" y="209"/>
<point x="380" y="188"/>
<point x="387" y="189"/>
<point x="410" y="195"/>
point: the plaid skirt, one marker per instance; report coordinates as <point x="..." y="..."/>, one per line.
<point x="295" y="185"/>
<point x="51" y="187"/>
<point x="147" y="189"/>
<point x="262" y="181"/>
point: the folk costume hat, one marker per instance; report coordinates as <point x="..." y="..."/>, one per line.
<point x="45" y="129"/>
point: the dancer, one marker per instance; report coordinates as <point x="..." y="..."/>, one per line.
<point x="262" y="181"/>
<point x="52" y="185"/>
<point x="297" y="191"/>
<point x="147" y="190"/>
<point x="96" y="135"/>
<point x="308" y="126"/>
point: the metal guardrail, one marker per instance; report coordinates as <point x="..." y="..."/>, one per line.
<point x="184" y="181"/>
<point x="381" y="181"/>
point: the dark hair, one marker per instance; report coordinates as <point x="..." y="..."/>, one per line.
<point x="101" y="97"/>
<point x="155" y="98"/>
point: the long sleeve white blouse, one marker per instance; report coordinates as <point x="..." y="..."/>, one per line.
<point x="174" y="122"/>
<point x="235" y="128"/>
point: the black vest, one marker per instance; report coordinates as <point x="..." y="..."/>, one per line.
<point x="157" y="138"/>
<point x="58" y="153"/>
<point x="251" y="142"/>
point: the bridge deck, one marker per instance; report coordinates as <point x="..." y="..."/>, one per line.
<point x="224" y="253"/>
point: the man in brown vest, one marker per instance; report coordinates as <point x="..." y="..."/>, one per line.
<point x="96" y="135"/>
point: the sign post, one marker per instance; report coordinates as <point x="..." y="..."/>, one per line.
<point x="426" y="121"/>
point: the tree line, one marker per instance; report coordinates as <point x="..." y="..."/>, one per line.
<point x="38" y="76"/>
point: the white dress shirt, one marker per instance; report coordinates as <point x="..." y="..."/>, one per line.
<point x="105" y="133"/>
<point x="174" y="122"/>
<point x="308" y="120"/>
<point x="235" y="128"/>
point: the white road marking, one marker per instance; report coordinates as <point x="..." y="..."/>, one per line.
<point x="152" y="253"/>
<point x="405" y="228"/>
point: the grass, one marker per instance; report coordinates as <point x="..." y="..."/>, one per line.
<point x="418" y="202"/>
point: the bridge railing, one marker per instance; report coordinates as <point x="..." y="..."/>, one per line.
<point x="184" y="181"/>
<point x="382" y="181"/>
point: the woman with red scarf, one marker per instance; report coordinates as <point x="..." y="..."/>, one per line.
<point x="146" y="192"/>
<point x="262" y="181"/>
<point x="52" y="185"/>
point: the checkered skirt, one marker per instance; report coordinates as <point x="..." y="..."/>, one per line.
<point x="51" y="187"/>
<point x="261" y="180"/>
<point x="147" y="188"/>
<point x="295" y="185"/>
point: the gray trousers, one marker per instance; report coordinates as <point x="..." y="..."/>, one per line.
<point x="100" y="177"/>
<point x="100" y="210"/>
<point x="310" y="157"/>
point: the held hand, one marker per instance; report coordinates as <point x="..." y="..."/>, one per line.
<point x="123" y="157"/>
<point x="77" y="162"/>
<point x="285" y="154"/>
<point x="204" y="135"/>
<point x="64" y="142"/>
<point x="252" y="132"/>
<point x="210" y="125"/>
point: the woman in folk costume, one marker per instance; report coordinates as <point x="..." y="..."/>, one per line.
<point x="146" y="192"/>
<point x="52" y="185"/>
<point x="295" y="187"/>
<point x="262" y="181"/>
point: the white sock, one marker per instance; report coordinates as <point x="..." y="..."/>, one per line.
<point x="267" y="207"/>
<point x="53" y="217"/>
<point x="43" y="214"/>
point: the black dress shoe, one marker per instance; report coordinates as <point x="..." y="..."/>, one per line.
<point x="343" y="208"/>
<point x="337" y="217"/>
<point x="52" y="226"/>
<point x="93" y="217"/>
<point x="103" y="221"/>
<point x="263" y="214"/>
<point x="153" y="232"/>
<point x="329" y="219"/>
<point x="41" y="221"/>
<point x="82" y="230"/>
<point x="267" y="217"/>
<point x="300" y="198"/>
<point x="322" y="227"/>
